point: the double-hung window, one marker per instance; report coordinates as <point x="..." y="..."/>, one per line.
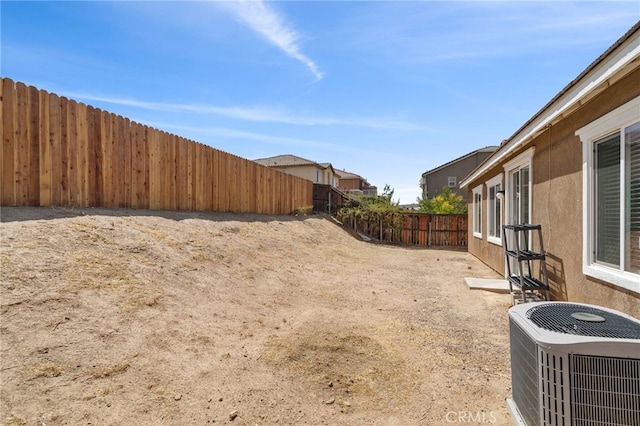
<point x="477" y="212"/>
<point x="494" y="210"/>
<point x="611" y="194"/>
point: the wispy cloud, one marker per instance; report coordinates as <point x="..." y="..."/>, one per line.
<point x="271" y="25"/>
<point x="228" y="133"/>
<point x="254" y="114"/>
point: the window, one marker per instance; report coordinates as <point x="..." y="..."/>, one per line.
<point x="518" y="184"/>
<point x="477" y="212"/>
<point x="494" y="210"/>
<point x="452" y="181"/>
<point x="518" y="188"/>
<point x="611" y="194"/>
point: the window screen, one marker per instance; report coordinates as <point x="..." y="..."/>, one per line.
<point x="608" y="200"/>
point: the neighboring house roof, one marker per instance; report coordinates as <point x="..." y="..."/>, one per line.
<point x="343" y="174"/>
<point x="593" y="80"/>
<point x="289" y="160"/>
<point x="285" y="160"/>
<point x="477" y="151"/>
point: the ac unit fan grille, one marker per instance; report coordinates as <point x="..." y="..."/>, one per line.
<point x="605" y="391"/>
<point x="558" y="317"/>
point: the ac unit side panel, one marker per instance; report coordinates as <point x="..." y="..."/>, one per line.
<point x="524" y="374"/>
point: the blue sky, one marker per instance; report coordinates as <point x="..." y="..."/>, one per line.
<point x="384" y="89"/>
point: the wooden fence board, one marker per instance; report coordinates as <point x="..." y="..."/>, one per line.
<point x="33" y="135"/>
<point x="154" y="170"/>
<point x="139" y="167"/>
<point x="44" y="149"/>
<point x="160" y="171"/>
<point x="183" y="181"/>
<point x="22" y="147"/>
<point x="172" y="160"/>
<point x="65" y="178"/>
<point x="169" y="165"/>
<point x="199" y="176"/>
<point x="8" y="143"/>
<point x="73" y="176"/>
<point x="55" y="141"/>
<point x="82" y="140"/>
<point x="105" y="155"/>
<point x="165" y="171"/>
<point x="2" y="139"/>
<point x="117" y="162"/>
<point x="96" y="160"/>
<point x="191" y="184"/>
<point x="145" y="169"/>
<point x="209" y="179"/>
<point x="124" y="151"/>
<point x="135" y="164"/>
<point x="147" y="178"/>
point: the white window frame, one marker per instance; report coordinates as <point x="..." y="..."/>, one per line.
<point x="593" y="132"/>
<point x="519" y="162"/>
<point x="452" y="181"/>
<point x="477" y="221"/>
<point x="491" y="209"/>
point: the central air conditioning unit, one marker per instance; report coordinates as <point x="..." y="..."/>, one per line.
<point x="574" y="364"/>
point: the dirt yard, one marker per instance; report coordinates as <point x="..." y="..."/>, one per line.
<point x="121" y="317"/>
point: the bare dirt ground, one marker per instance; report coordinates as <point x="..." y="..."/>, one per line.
<point x="114" y="317"/>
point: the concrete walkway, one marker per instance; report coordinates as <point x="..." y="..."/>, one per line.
<point x="488" y="284"/>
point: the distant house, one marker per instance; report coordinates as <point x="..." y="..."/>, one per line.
<point x="351" y="182"/>
<point x="322" y="173"/>
<point x="574" y="169"/>
<point x="450" y="174"/>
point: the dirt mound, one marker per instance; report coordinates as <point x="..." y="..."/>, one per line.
<point x="141" y="317"/>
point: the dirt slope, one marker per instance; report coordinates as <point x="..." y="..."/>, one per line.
<point x="139" y="317"/>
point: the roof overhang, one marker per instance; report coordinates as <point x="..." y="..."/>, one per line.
<point x="622" y="58"/>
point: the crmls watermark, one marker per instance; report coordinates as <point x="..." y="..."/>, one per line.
<point x="471" y="417"/>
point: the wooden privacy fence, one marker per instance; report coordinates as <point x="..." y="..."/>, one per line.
<point x="58" y="152"/>
<point x="413" y="228"/>
<point x="327" y="199"/>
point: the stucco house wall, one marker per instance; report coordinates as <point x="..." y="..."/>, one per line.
<point x="307" y="172"/>
<point x="434" y="180"/>
<point x="301" y="167"/>
<point x="557" y="196"/>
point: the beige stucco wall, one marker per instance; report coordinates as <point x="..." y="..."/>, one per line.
<point x="557" y="204"/>
<point x="490" y="253"/>
<point x="310" y="172"/>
